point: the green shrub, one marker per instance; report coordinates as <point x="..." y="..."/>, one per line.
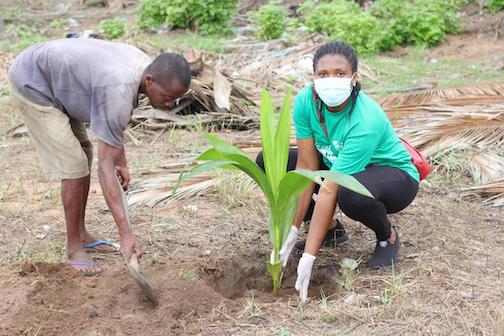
<point x="305" y="8"/>
<point x="494" y="5"/>
<point x="345" y="20"/>
<point x="205" y="16"/>
<point x="152" y="13"/>
<point x="271" y="19"/>
<point x="423" y="22"/>
<point x="113" y="28"/>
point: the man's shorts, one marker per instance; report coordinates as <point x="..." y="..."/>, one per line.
<point x="57" y="139"/>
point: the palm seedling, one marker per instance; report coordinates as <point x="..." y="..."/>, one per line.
<point x="281" y="188"/>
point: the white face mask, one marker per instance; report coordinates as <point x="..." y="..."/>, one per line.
<point x="333" y="90"/>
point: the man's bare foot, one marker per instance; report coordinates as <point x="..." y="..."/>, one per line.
<point x="79" y="261"/>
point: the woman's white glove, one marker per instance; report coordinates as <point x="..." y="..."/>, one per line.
<point x="287" y="247"/>
<point x="304" y="272"/>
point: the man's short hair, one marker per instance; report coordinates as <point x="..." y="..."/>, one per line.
<point x="168" y="67"/>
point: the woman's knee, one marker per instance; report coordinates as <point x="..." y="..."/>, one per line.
<point x="260" y="160"/>
<point x="291" y="161"/>
<point x="351" y="203"/>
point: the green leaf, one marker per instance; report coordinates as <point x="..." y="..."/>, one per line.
<point x="275" y="270"/>
<point x="282" y="140"/>
<point x="227" y="151"/>
<point x="206" y="166"/>
<point x="267" y="140"/>
<point x="291" y="186"/>
<point x="343" y="180"/>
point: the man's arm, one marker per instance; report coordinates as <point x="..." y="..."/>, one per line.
<point x="109" y="158"/>
<point x="122" y="168"/>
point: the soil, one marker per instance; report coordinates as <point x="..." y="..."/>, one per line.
<point x="207" y="265"/>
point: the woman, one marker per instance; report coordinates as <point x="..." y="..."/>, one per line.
<point x="340" y="128"/>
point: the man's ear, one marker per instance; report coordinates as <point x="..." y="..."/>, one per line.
<point x="149" y="80"/>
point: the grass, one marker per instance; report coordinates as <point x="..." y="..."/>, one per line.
<point x="189" y="273"/>
<point x="451" y="169"/>
<point x="396" y="283"/>
<point x="234" y="189"/>
<point x="43" y="251"/>
<point x="348" y="276"/>
<point x="20" y="37"/>
<point x="251" y="309"/>
<point x="281" y="331"/>
<point x="189" y="41"/>
<point x="386" y="300"/>
<point x="416" y="67"/>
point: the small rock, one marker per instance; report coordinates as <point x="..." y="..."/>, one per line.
<point x="468" y="294"/>
<point x="72" y="22"/>
<point x="349" y="263"/>
<point x="92" y="312"/>
<point x="354" y="299"/>
<point x="479" y="263"/>
<point x="433" y="61"/>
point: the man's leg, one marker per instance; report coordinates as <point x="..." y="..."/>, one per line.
<point x="80" y="133"/>
<point x="74" y="198"/>
<point x="63" y="160"/>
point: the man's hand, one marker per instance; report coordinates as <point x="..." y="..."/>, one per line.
<point x="124" y="177"/>
<point x="129" y="245"/>
<point x="304" y="272"/>
<point x="122" y="169"/>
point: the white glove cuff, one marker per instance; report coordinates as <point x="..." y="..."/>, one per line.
<point x="309" y="256"/>
<point x="294" y="228"/>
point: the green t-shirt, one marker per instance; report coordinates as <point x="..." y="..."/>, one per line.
<point x="357" y="141"/>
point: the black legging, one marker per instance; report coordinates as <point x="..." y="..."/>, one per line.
<point x="393" y="189"/>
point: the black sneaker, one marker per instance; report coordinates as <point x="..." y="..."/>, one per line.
<point x="384" y="254"/>
<point x="334" y="237"/>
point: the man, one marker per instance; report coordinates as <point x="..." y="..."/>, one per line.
<point x="60" y="84"/>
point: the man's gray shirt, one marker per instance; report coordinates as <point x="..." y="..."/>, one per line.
<point x="91" y="80"/>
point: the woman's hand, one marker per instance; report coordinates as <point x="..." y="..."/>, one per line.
<point x="304" y="272"/>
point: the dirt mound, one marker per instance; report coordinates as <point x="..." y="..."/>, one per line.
<point x="233" y="279"/>
<point x="53" y="299"/>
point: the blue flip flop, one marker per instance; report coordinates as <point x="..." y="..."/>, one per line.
<point x="79" y="264"/>
<point x="91" y="247"/>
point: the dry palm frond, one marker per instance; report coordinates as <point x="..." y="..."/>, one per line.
<point x="469" y="94"/>
<point x="399" y="105"/>
<point x="487" y="167"/>
<point x="439" y="129"/>
<point x="159" y="189"/>
<point x="276" y="65"/>
<point x="492" y="192"/>
<point x="212" y="99"/>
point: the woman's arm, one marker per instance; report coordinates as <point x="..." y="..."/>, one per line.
<point x="322" y="216"/>
<point x="307" y="159"/>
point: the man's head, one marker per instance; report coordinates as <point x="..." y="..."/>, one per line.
<point x="166" y="79"/>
